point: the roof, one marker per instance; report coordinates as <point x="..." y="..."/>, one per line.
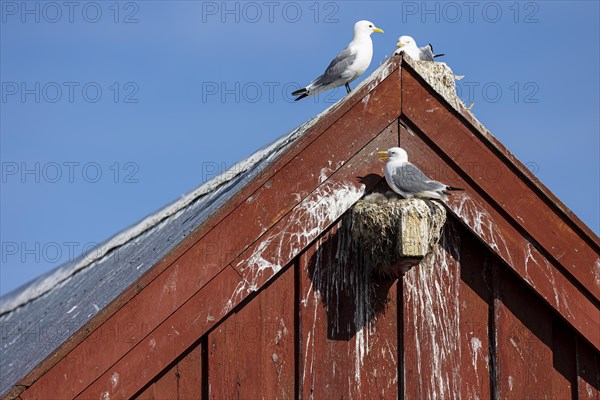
<point x="54" y="306"/>
<point x="136" y="272"/>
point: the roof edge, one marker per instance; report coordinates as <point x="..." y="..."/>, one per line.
<point x="388" y="67"/>
<point x="493" y="143"/>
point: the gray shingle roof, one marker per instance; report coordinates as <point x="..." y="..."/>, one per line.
<point x="39" y="316"/>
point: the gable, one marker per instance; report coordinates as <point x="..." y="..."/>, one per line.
<point x="265" y="228"/>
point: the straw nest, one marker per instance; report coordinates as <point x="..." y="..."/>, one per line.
<point x="442" y="79"/>
<point x="395" y="234"/>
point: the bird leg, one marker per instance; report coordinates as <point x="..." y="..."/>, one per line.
<point x="348" y="90"/>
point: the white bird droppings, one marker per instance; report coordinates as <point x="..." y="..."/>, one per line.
<point x="114" y="379"/>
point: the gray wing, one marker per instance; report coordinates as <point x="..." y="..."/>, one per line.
<point x="426" y="53"/>
<point x="337" y="67"/>
<point x="410" y="179"/>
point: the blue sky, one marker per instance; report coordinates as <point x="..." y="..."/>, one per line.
<point x="110" y="110"/>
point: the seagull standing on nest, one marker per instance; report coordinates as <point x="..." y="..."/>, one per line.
<point x="408" y="45"/>
<point x="348" y="65"/>
<point x="407" y="180"/>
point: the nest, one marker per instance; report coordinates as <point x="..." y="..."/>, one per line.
<point x="442" y="79"/>
<point x="395" y="234"/>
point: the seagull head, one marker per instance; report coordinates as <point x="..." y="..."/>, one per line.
<point x="393" y="154"/>
<point x="365" y="28"/>
<point x="406" y="41"/>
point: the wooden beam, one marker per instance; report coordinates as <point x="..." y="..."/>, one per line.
<point x="499" y="180"/>
<point x="476" y="210"/>
<point x="213" y="245"/>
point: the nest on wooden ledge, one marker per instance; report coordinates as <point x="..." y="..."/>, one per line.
<point x="440" y="76"/>
<point x="394" y="234"/>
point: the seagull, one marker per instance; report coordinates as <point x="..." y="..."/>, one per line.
<point x="407" y="180"/>
<point x="348" y="65"/>
<point x="408" y="45"/>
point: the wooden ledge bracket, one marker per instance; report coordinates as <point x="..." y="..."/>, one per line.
<point x="393" y="236"/>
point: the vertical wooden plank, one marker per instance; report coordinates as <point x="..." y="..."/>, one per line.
<point x="496" y="178"/>
<point x="348" y="324"/>
<point x="432" y="335"/>
<point x="524" y="344"/>
<point x="316" y="155"/>
<point x="182" y="381"/>
<point x="488" y="221"/>
<point x="190" y="375"/>
<point x="563" y="359"/>
<point x="167" y="342"/>
<point x="588" y="371"/>
<point x="475" y="298"/>
<point x="251" y="354"/>
<point x="166" y="386"/>
<point x="315" y="213"/>
<point x="146" y="394"/>
<point x="163" y="386"/>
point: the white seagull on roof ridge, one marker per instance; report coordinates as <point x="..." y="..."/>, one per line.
<point x="348" y="65"/>
<point x="409" y="181"/>
<point x="408" y="45"/>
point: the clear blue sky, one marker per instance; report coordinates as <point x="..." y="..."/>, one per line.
<point x="109" y="112"/>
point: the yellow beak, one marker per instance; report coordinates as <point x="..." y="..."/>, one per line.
<point x="383" y="155"/>
<point x="377" y="30"/>
<point x="400" y="44"/>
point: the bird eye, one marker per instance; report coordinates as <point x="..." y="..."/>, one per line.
<point x="370" y="26"/>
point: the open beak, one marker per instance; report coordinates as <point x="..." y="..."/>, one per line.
<point x="378" y="30"/>
<point x="400" y="44"/>
<point x="383" y="155"/>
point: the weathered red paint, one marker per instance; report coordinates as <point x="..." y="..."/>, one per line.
<point x="524" y="344"/>
<point x="182" y="381"/>
<point x="170" y="339"/>
<point x="348" y="325"/>
<point x="488" y="222"/>
<point x="199" y="262"/>
<point x="490" y="304"/>
<point x="432" y="337"/>
<point x="474" y="299"/>
<point x="520" y="170"/>
<point x="251" y="354"/>
<point x="296" y="230"/>
<point x="472" y="155"/>
<point x="588" y="371"/>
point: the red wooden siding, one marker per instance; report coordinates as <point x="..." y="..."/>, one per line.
<point x="473" y="151"/>
<point x="588" y="371"/>
<point x="348" y="324"/>
<point x="182" y="381"/>
<point x="200" y="263"/>
<point x="529" y="360"/>
<point x="467" y="328"/>
<point x="489" y="220"/>
<point x="475" y="300"/>
<point x="285" y="308"/>
<point x="432" y="340"/>
<point x="251" y="354"/>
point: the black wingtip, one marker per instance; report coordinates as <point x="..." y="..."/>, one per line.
<point x="453" y="188"/>
<point x="438" y="55"/>
<point x="299" y="91"/>
<point x="301" y="96"/>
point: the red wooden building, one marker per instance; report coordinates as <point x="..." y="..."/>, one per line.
<point x="247" y="288"/>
